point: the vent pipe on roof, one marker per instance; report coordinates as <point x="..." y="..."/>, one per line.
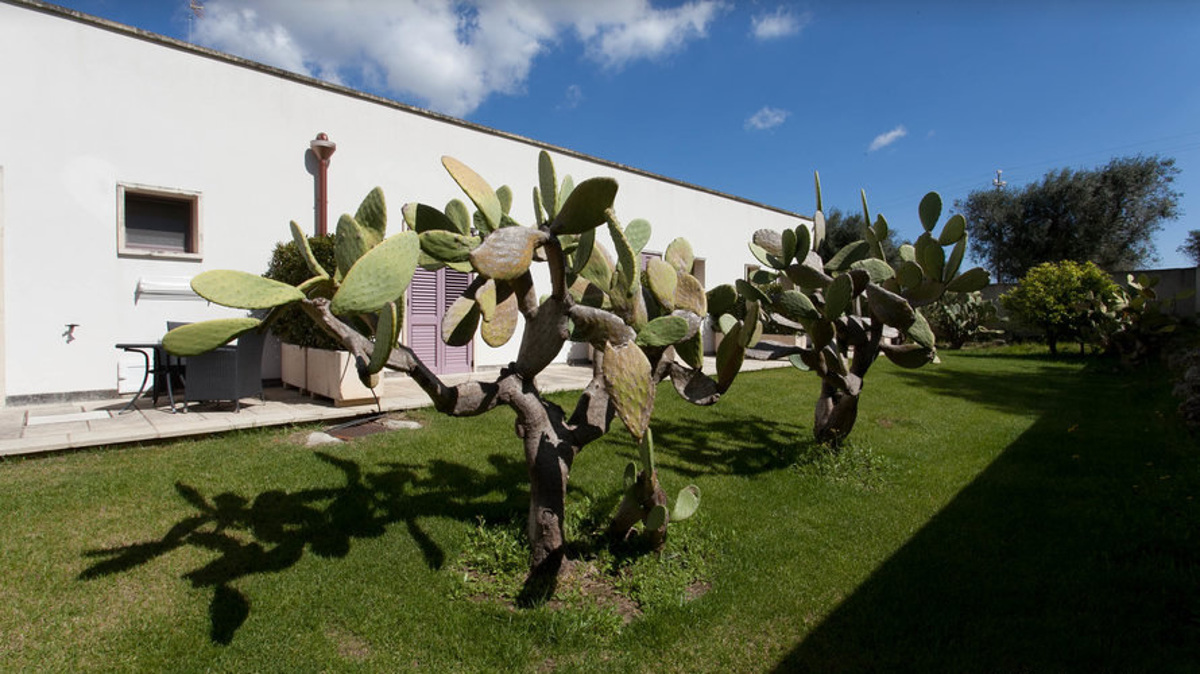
<point x="322" y="148"/>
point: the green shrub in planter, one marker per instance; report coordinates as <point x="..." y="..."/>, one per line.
<point x="288" y="266"/>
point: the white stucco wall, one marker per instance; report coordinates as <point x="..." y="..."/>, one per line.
<point x="88" y="107"/>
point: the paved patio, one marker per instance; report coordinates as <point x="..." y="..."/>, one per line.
<point x="50" y="428"/>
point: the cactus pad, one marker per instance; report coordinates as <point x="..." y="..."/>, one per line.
<point x="548" y="182"/>
<point x="663" y="281"/>
<point x="458" y="213"/>
<point x="689" y="295"/>
<point x="585" y="208"/>
<point x="920" y="332"/>
<point x="770" y="241"/>
<point x="306" y="251"/>
<point x="788" y="237"/>
<point x="349" y="244"/>
<point x="691" y="350"/>
<point x="194" y="339"/>
<point x="646" y="452"/>
<point x="751" y="292"/>
<point x="448" y="246"/>
<point x="485" y="294"/>
<point x="241" y="290"/>
<point x="930" y="256"/>
<point x="387" y="331"/>
<point x="628" y="377"/>
<point x="878" y="270"/>
<point x="909" y="356"/>
<point x="950" y="270"/>
<point x="422" y="218"/>
<point x="638" y="234"/>
<point x="910" y="274"/>
<point x="476" y="189"/>
<point x="796" y="306"/>
<point x="497" y="330"/>
<point x="656" y="519"/>
<point x="848" y="255"/>
<point x="969" y="281"/>
<point x="730" y="355"/>
<point x="680" y="256"/>
<point x="460" y="321"/>
<point x="686" y="503"/>
<point x="372" y="217"/>
<point x="838" y="296"/>
<point x="507" y="253"/>
<point x="626" y="260"/>
<point x="663" y="331"/>
<point x="891" y="308"/>
<point x="954" y="231"/>
<point x="930" y="210"/>
<point x="378" y="277"/>
<point x="721" y="299"/>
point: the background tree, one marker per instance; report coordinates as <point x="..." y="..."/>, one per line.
<point x="1059" y="298"/>
<point x="1191" y="246"/>
<point x="1107" y="215"/>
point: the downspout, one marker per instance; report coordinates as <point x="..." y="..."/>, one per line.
<point x="322" y="148"/>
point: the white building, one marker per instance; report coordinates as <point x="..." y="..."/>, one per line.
<point x="106" y="129"/>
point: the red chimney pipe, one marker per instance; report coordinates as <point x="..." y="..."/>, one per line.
<point x="323" y="149"/>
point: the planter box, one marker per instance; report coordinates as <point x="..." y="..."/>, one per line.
<point x="330" y="374"/>
<point x="292" y="366"/>
<point x="786" y="340"/>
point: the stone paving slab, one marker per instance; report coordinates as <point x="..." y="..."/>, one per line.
<point x="282" y="407"/>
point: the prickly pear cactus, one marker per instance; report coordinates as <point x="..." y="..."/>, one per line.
<point x="644" y="324"/>
<point x="644" y="500"/>
<point x="373" y="271"/>
<point x="855" y="305"/>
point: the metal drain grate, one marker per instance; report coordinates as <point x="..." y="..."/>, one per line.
<point x="358" y="430"/>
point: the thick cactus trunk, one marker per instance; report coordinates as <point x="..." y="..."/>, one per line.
<point x="548" y="475"/>
<point x="550" y="450"/>
<point x="835" y="415"/>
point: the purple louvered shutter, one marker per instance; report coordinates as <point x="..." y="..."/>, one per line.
<point x="430" y="294"/>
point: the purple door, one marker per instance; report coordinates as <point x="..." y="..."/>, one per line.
<point x="429" y="296"/>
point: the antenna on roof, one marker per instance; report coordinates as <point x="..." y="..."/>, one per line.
<point x="197" y="7"/>
<point x="998" y="182"/>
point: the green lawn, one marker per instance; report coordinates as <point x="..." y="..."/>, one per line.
<point x="1002" y="511"/>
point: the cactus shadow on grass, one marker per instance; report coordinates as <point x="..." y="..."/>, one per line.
<point x="737" y="446"/>
<point x="271" y="531"/>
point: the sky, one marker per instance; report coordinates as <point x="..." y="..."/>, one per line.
<point x="751" y="97"/>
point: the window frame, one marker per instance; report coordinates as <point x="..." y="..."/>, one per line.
<point x="172" y="194"/>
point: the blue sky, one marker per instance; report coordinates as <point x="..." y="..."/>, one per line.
<point x="749" y="98"/>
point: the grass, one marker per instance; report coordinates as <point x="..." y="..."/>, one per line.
<point x="1003" y="511"/>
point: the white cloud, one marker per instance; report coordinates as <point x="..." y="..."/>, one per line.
<point x="766" y="118"/>
<point x="572" y="98"/>
<point x="885" y="139"/>
<point x="452" y="56"/>
<point x="781" y="23"/>
<point x="651" y="33"/>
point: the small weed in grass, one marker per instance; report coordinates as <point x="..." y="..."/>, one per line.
<point x="851" y="463"/>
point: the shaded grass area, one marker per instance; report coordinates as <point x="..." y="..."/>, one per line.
<point x="1077" y="549"/>
<point x="1000" y="512"/>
